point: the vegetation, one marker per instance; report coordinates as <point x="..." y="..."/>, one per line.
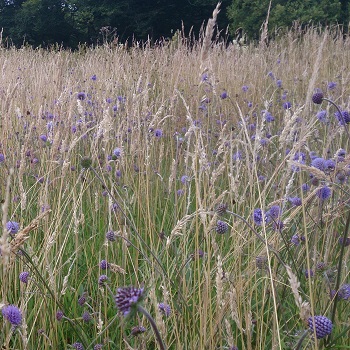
<point x="188" y="172"/>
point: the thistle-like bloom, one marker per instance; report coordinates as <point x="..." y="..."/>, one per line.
<point x="102" y="279"/>
<point x="221" y="227"/>
<point x="137" y="330"/>
<point x="344" y="292"/>
<point x="273" y="213"/>
<point x="59" y="315"/>
<point x="295" y="240"/>
<point x="318" y="163"/>
<point x="86" y="316"/>
<point x="258" y="216"/>
<point x="324" y="193"/>
<point x="158" y="133"/>
<point x="165" y="309"/>
<point x="98" y="347"/>
<point x="343" y="118"/>
<point x="317" y="98"/>
<point x="12" y="314"/>
<point x="323" y="326"/>
<point x="81" y="96"/>
<point x="82" y="299"/>
<point x="110" y="236"/>
<point x="221" y="209"/>
<point x="295" y="201"/>
<point x="127" y="298"/>
<point x="104" y="265"/>
<point x="78" y="346"/>
<point x="12" y="227"/>
<point x="24" y="277"/>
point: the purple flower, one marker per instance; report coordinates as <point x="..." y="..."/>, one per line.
<point x="344" y="118"/>
<point x="12" y="314"/>
<point x="86" y="316"/>
<point x="81" y="96"/>
<point x="258" y="216"/>
<point x="317" y="98"/>
<point x="321" y="325"/>
<point x="12" y="227"/>
<point x="98" y="347"/>
<point x="94" y="77"/>
<point x="318" y="163"/>
<point x="43" y="137"/>
<point x="268" y="117"/>
<point x="309" y="273"/>
<point x="82" y="299"/>
<point x="221" y="227"/>
<point x="271" y="75"/>
<point x="332" y="85"/>
<point x="322" y="116"/>
<point x="110" y="236"/>
<point x="165" y="309"/>
<point x="305" y="187"/>
<point x="158" y="133"/>
<point x="59" y="315"/>
<point x="104" y="265"/>
<point x="287" y="105"/>
<point x="24" y="277"/>
<point x="273" y="213"/>
<point x="345" y="242"/>
<point x="184" y="179"/>
<point x="279" y="83"/>
<point x="329" y="165"/>
<point x="2" y="158"/>
<point x="117" y="152"/>
<point x="324" y="193"/>
<point x="295" y="240"/>
<point x="78" y="346"/>
<point x="137" y="330"/>
<point x="102" y="279"/>
<point x="295" y="201"/>
<point x="245" y="88"/>
<point x="223" y="95"/>
<point x="344" y="292"/>
<point x="127" y="298"/>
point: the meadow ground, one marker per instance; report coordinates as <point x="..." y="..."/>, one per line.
<point x="204" y="175"/>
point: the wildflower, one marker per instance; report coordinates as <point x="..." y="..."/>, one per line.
<point x="137" y="330"/>
<point x="24" y="277"/>
<point x="59" y="315"/>
<point x="279" y="83"/>
<point x="318" y="163"/>
<point x="268" y="117"/>
<point x="273" y="213"/>
<point x="343" y="118"/>
<point x="223" y="95"/>
<point x="344" y="292"/>
<point x="43" y="137"/>
<point x="2" y="158"/>
<point x="287" y="105"/>
<point x="324" y="193"/>
<point x="260" y="262"/>
<point x="110" y="236"/>
<point x="12" y="314"/>
<point x="12" y="227"/>
<point x="221" y="227"/>
<point x="184" y="179"/>
<point x="86" y="317"/>
<point x="295" y="201"/>
<point x="321" y="116"/>
<point x="321" y="266"/>
<point x="94" y="77"/>
<point x="104" y="265"/>
<point x="117" y="152"/>
<point x="233" y="347"/>
<point x="127" y="298"/>
<point x="309" y="273"/>
<point x="179" y="192"/>
<point x="221" y="209"/>
<point x="323" y="326"/>
<point x="158" y="133"/>
<point x="271" y="75"/>
<point x="317" y="98"/>
<point x="332" y="85"/>
<point x="78" y="346"/>
<point x="82" y="299"/>
<point x="81" y="96"/>
<point x="245" y="88"/>
<point x="102" y="279"/>
<point x="295" y="240"/>
<point x="164" y="309"/>
<point x="98" y="347"/>
<point x="329" y="165"/>
<point x="258" y="216"/>
<point x="305" y="187"/>
<point x="343" y="242"/>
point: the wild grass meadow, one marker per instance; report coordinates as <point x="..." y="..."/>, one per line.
<point x="203" y="175"/>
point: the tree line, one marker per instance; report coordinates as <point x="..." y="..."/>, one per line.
<point x="72" y="22"/>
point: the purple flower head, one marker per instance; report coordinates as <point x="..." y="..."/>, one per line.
<point x="344" y="292"/>
<point x="309" y="273"/>
<point x="81" y="96"/>
<point x="344" y="118"/>
<point x="2" y="158"/>
<point x="295" y="240"/>
<point x="321" y="325"/>
<point x="287" y="105"/>
<point x="98" y="347"/>
<point x="268" y="117"/>
<point x="223" y="95"/>
<point x="329" y="165"/>
<point x="59" y="315"/>
<point x="343" y="242"/>
<point x="332" y="85"/>
<point x="94" y="77"/>
<point x="341" y="152"/>
<point x="127" y="298"/>
<point x="322" y="116"/>
<point x="258" y="216"/>
<point x="86" y="317"/>
<point x="273" y="213"/>
<point x="12" y="314"/>
<point x="117" y="152"/>
<point x="260" y="262"/>
<point x="271" y="75"/>
<point x="78" y="346"/>
<point x="318" y="163"/>
<point x="102" y="280"/>
<point x="24" y="277"/>
<point x="305" y="187"/>
<point x="82" y="299"/>
<point x="43" y="137"/>
<point x="184" y="179"/>
<point x="237" y="156"/>
<point x="137" y="330"/>
<point x="221" y="209"/>
<point x="12" y="227"/>
<point x="324" y="193"/>
<point x="158" y="133"/>
<point x="245" y="88"/>
<point x="104" y="265"/>
<point x="317" y="97"/>
<point x="180" y="192"/>
<point x="221" y="227"/>
<point x="165" y="309"/>
<point x="110" y="236"/>
<point x="279" y="83"/>
<point x="295" y="201"/>
<point x="250" y="104"/>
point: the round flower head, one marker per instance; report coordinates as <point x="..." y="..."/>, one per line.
<point x="329" y="165"/>
<point x="345" y="242"/>
<point x="59" y="315"/>
<point x="258" y="216"/>
<point x="137" y="330"/>
<point x="12" y="314"/>
<point x="344" y="292"/>
<point x="128" y="297"/>
<point x="295" y="201"/>
<point x="82" y="299"/>
<point x="98" y="347"/>
<point x="12" y="227"/>
<point x="158" y="133"/>
<point x="322" y="116"/>
<point x="321" y="324"/>
<point x="343" y="118"/>
<point x="117" y="152"/>
<point x="221" y="209"/>
<point x="295" y="240"/>
<point x="81" y="96"/>
<point x="102" y="279"/>
<point x="164" y="309"/>
<point x="318" y="163"/>
<point x="273" y="213"/>
<point x="104" y="265"/>
<point x="324" y="193"/>
<point x="2" y="158"/>
<point x="317" y="98"/>
<point x="78" y="346"/>
<point x="24" y="277"/>
<point x="221" y="227"/>
<point x="223" y="95"/>
<point x="86" y="317"/>
<point x="110" y="236"/>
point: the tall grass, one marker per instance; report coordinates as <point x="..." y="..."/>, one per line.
<point x="189" y="140"/>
